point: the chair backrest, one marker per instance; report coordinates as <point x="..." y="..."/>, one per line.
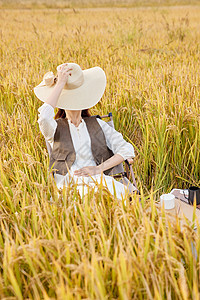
<point x="117" y="169"/>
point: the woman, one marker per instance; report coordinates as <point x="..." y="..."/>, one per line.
<point x="84" y="148"/>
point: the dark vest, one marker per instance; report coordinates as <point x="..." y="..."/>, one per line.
<point x="63" y="154"/>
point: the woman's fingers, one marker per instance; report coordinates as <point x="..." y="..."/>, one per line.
<point x="63" y="74"/>
<point x="61" y="66"/>
<point x="77" y="172"/>
<point x="66" y="72"/>
<point x="81" y="172"/>
<point x="86" y="171"/>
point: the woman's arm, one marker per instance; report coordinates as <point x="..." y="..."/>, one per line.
<point x="113" y="161"/>
<point x="115" y="141"/>
<point x="46" y="120"/>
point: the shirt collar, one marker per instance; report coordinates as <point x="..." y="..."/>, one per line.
<point x="80" y="125"/>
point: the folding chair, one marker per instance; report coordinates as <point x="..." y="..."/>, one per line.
<point x="118" y="171"/>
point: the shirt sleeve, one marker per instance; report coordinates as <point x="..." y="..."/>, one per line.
<point x="46" y="122"/>
<point x="115" y="141"/>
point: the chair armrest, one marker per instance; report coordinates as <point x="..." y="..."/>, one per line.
<point x="129" y="170"/>
<point x="129" y="161"/>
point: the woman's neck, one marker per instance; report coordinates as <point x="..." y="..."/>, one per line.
<point x="74" y="116"/>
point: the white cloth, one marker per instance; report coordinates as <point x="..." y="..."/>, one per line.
<point x="82" y="145"/>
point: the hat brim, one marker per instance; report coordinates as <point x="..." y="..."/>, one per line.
<point x="83" y="97"/>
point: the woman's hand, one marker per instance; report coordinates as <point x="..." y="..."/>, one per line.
<point x="63" y="72"/>
<point x="86" y="171"/>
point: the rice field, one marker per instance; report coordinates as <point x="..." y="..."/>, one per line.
<point x="35" y="4"/>
<point x="99" y="248"/>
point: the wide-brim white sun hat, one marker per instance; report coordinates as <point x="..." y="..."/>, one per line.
<point x="83" y="89"/>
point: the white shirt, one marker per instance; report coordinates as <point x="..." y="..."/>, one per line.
<point x="81" y="141"/>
